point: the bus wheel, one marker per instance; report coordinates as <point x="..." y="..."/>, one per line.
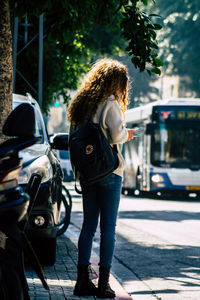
<point x="123" y="191"/>
<point x="137" y="190"/>
<point x="128" y="192"/>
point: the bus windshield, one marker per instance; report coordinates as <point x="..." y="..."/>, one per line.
<point x="176" y="144"/>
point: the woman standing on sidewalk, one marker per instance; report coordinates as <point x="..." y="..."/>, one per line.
<point x="103" y="95"/>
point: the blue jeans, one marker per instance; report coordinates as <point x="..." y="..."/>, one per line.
<point x="100" y="199"/>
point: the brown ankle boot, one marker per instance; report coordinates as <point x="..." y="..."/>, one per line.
<point x="104" y="289"/>
<point x="84" y="286"/>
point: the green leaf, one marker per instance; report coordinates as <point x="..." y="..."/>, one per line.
<point x="159" y="62"/>
<point x="152" y="33"/>
<point x="154" y="54"/>
<point x="145" y="2"/>
<point x="149" y="72"/>
<point x="156" y="71"/>
<point x="135" y="60"/>
<point x="157" y="26"/>
<point x="153" y="45"/>
<point x="154" y="15"/>
<point x="145" y="15"/>
<point x="128" y="48"/>
<point x="151" y="26"/>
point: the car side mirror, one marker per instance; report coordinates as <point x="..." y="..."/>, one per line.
<point x="20" y="122"/>
<point x="60" y="141"/>
<point x="150" y="128"/>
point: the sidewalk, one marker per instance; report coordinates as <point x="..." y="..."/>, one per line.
<point x="61" y="277"/>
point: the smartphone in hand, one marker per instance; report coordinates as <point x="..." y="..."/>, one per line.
<point x="137" y="132"/>
<point x="134" y="132"/>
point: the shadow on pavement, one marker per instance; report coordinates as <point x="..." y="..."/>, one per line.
<point x="177" y="266"/>
<point x="160" y="215"/>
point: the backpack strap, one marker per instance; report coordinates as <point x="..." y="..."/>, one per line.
<point x="115" y="147"/>
<point x="75" y="186"/>
<point x="80" y="192"/>
<point x="100" y="117"/>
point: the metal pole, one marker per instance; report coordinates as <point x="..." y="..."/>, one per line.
<point x="15" y="38"/>
<point x="40" y="62"/>
<point x="26" y="31"/>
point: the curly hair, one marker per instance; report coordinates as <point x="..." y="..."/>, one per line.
<point x="107" y="77"/>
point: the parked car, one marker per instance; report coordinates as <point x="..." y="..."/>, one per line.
<point x="63" y="156"/>
<point x="41" y="158"/>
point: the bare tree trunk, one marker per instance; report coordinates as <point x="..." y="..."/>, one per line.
<point x="5" y="64"/>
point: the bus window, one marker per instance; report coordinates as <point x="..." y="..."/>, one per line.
<point x="176" y="145"/>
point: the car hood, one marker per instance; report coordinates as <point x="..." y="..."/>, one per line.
<point x="32" y="153"/>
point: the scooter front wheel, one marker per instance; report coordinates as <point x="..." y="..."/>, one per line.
<point x="66" y="202"/>
<point x="10" y="285"/>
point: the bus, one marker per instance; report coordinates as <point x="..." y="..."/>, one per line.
<point x="166" y="158"/>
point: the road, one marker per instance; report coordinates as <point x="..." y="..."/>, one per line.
<point x="157" y="253"/>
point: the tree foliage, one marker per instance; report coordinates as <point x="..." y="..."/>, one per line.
<point x="76" y="32"/>
<point x="180" y="39"/>
<point x="140" y="31"/>
<point x="141" y="88"/>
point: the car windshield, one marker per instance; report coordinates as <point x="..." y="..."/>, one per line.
<point x="176" y="144"/>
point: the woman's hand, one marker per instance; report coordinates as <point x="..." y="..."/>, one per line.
<point x="130" y="134"/>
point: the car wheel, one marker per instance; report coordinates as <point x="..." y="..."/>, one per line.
<point x="64" y="220"/>
<point x="10" y="285"/>
<point x="45" y="249"/>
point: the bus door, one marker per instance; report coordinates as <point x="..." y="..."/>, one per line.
<point x="145" y="149"/>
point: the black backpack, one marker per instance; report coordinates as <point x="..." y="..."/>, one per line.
<point x="91" y="153"/>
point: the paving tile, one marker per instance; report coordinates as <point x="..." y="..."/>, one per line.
<point x="62" y="276"/>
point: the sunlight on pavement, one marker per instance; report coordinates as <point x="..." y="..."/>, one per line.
<point x="53" y="282"/>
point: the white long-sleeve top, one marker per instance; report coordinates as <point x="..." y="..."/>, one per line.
<point x="110" y="118"/>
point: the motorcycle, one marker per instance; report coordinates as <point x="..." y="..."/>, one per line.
<point x="15" y="206"/>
